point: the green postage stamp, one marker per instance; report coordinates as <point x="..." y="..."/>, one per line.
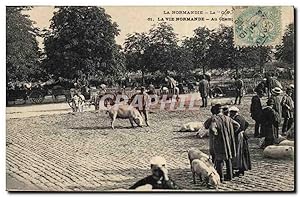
<point x="257" y="26"/>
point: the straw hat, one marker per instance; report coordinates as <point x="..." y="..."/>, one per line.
<point x="276" y="91"/>
<point x="234" y="108"/>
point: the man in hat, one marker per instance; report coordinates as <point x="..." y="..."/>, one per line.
<point x="242" y="161"/>
<point x="272" y="83"/>
<point x="159" y="179"/>
<point x="275" y="96"/>
<point x="287" y="104"/>
<point x="256" y="111"/>
<point x="203" y="89"/>
<point x="223" y="143"/>
<point x="269" y="124"/>
<point x="239" y="88"/>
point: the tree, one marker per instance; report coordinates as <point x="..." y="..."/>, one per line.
<point x="215" y="49"/>
<point x="200" y="46"/>
<point x="163" y="49"/>
<point x="136" y="48"/>
<point x="185" y="59"/>
<point x="22" y="52"/>
<point x="156" y="50"/>
<point x="82" y="40"/>
<point x="285" y="52"/>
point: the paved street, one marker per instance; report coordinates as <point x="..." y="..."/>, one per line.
<point x="79" y="152"/>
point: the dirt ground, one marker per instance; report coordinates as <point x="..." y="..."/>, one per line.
<point x="50" y="148"/>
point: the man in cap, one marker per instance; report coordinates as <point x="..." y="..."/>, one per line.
<point x="159" y="178"/>
<point x="203" y="89"/>
<point x="256" y="111"/>
<point x="242" y="161"/>
<point x="287" y="104"/>
<point x="269" y="124"/>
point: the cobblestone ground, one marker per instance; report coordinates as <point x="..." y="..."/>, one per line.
<point x="79" y="152"/>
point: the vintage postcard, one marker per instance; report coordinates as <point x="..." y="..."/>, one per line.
<point x="150" y="99"/>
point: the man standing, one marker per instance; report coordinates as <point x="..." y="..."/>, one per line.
<point x="239" y="88"/>
<point x="287" y="104"/>
<point x="256" y="111"/>
<point x="275" y="97"/>
<point x="159" y="178"/>
<point x="223" y="142"/>
<point x="269" y="124"/>
<point x="145" y="105"/>
<point x="210" y="125"/>
<point x="242" y="160"/>
<point x="203" y="89"/>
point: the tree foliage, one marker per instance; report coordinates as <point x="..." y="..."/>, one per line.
<point x="82" y="39"/>
<point x="22" y="52"/>
<point x="163" y="49"/>
<point x="214" y="48"/>
<point x="153" y="51"/>
<point x="136" y="48"/>
<point x="286" y="51"/>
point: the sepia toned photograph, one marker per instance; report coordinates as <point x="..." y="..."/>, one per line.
<point x="150" y="98"/>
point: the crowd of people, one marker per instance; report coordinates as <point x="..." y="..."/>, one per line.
<point x="268" y="119"/>
<point x="228" y="140"/>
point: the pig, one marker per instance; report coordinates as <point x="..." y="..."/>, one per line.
<point x="205" y="172"/>
<point x="222" y="101"/>
<point x="197" y="154"/>
<point x="279" y="152"/>
<point x="125" y="111"/>
<point x="287" y="143"/>
<point x="192" y="126"/>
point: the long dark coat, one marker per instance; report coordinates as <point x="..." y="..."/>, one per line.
<point x="239" y="87"/>
<point x="269" y="125"/>
<point x="203" y="88"/>
<point x="223" y="141"/>
<point x="242" y="160"/>
<point x="256" y="108"/>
